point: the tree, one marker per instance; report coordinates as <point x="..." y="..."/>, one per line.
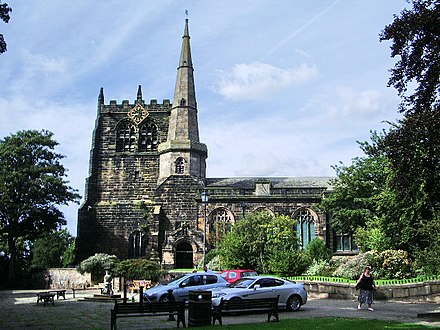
<point x="259" y="241"/>
<point x="413" y="144"/>
<point x="32" y="185"/>
<point x="415" y="36"/>
<point x="140" y="269"/>
<point x="52" y="249"/>
<point x="97" y="264"/>
<point x="353" y="199"/>
<point x="4" y="16"/>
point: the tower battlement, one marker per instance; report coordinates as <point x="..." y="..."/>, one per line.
<point x="153" y="105"/>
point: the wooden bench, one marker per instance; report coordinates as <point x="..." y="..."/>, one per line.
<point x="148" y="309"/>
<point x="134" y="287"/>
<point x="46" y="297"/>
<point x="59" y="293"/>
<point x="236" y="305"/>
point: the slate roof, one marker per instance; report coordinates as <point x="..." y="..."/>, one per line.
<point x="277" y="182"/>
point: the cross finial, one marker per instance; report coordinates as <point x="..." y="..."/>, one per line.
<point x="186" y="13"/>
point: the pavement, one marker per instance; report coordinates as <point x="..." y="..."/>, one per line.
<point x="19" y="310"/>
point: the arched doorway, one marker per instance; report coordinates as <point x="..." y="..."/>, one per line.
<point x="184" y="255"/>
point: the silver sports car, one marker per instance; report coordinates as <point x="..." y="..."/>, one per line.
<point x="292" y="295"/>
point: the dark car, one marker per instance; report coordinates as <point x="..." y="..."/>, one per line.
<point x="232" y="275"/>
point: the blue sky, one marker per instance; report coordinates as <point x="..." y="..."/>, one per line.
<point x="284" y="88"/>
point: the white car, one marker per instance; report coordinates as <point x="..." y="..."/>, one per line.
<point x="292" y="295"/>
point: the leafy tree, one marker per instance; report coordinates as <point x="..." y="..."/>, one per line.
<point x="140" y="269"/>
<point x="317" y="251"/>
<point x="413" y="144"/>
<point x="97" y="264"/>
<point x="4" y="16"/>
<point x="31" y="186"/>
<point x="259" y="241"/>
<point x="415" y="36"/>
<point x="52" y="250"/>
<point x="355" y="189"/>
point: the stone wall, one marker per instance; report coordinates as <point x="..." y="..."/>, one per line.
<point x="383" y="292"/>
<point x="61" y="278"/>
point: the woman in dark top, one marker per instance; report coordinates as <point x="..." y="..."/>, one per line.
<point x="366" y="284"/>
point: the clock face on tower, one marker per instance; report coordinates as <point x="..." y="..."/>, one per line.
<point x="138" y="113"/>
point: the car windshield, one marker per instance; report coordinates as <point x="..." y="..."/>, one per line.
<point x="251" y="273"/>
<point x="172" y="280"/>
<point x="242" y="283"/>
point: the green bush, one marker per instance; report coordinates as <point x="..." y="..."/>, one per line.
<point x="137" y="269"/>
<point x="317" y="251"/>
<point x="393" y="264"/>
<point x="97" y="265"/>
<point x="351" y="267"/>
<point x="288" y="263"/>
<point x="319" y="268"/>
<point x="388" y="264"/>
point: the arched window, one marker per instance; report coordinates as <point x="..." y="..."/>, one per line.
<point x="305" y="228"/>
<point x="126" y="137"/>
<point x="148" y="139"/>
<point x="137" y="244"/>
<point x="180" y="165"/>
<point x="220" y="223"/>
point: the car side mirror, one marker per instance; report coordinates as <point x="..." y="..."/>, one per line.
<point x="256" y="286"/>
<point x="182" y="284"/>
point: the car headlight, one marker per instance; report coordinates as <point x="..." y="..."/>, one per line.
<point x="218" y="294"/>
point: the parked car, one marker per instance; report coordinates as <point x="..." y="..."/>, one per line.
<point x="232" y="275"/>
<point x="292" y="295"/>
<point x="183" y="284"/>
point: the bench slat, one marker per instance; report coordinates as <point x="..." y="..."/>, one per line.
<point x="148" y="309"/>
<point x="269" y="304"/>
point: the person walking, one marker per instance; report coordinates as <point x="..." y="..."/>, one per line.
<point x="366" y="285"/>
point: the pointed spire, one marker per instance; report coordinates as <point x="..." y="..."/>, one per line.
<point x="101" y="96"/>
<point x="139" y="93"/>
<point x="183" y="128"/>
<point x="184" y="93"/>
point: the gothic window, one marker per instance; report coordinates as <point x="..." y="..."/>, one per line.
<point x="148" y="139"/>
<point x="126" y="137"/>
<point x="345" y="243"/>
<point x="137" y="245"/>
<point x="305" y="229"/>
<point x="180" y="165"/>
<point x="219" y="225"/>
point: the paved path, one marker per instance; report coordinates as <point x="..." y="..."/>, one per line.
<point x="19" y="310"/>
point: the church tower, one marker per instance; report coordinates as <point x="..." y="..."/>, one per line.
<point x="182" y="153"/>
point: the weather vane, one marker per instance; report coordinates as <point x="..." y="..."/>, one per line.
<point x="186" y="13"/>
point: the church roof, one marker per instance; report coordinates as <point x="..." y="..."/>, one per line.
<point x="276" y="182"/>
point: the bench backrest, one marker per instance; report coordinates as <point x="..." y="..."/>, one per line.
<point x="149" y="307"/>
<point x="137" y="283"/>
<point x="238" y="304"/>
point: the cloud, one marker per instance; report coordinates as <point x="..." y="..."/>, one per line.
<point x="256" y="81"/>
<point x="72" y="125"/>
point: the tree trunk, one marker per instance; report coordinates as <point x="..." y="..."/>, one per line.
<point x="12" y="261"/>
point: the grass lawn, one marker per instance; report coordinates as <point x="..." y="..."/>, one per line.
<point x="323" y="323"/>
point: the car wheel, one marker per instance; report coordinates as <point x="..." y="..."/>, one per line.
<point x="293" y="303"/>
<point x="164" y="299"/>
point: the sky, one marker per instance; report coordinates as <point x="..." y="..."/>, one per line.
<point x="284" y="88"/>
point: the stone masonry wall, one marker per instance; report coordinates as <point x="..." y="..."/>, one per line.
<point x="119" y="182"/>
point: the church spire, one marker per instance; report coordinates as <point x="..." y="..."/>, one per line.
<point x="185" y="91"/>
<point x="101" y="96"/>
<point x="139" y="93"/>
<point x="182" y="153"/>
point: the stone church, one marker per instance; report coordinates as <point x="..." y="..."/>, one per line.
<point x="147" y="174"/>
